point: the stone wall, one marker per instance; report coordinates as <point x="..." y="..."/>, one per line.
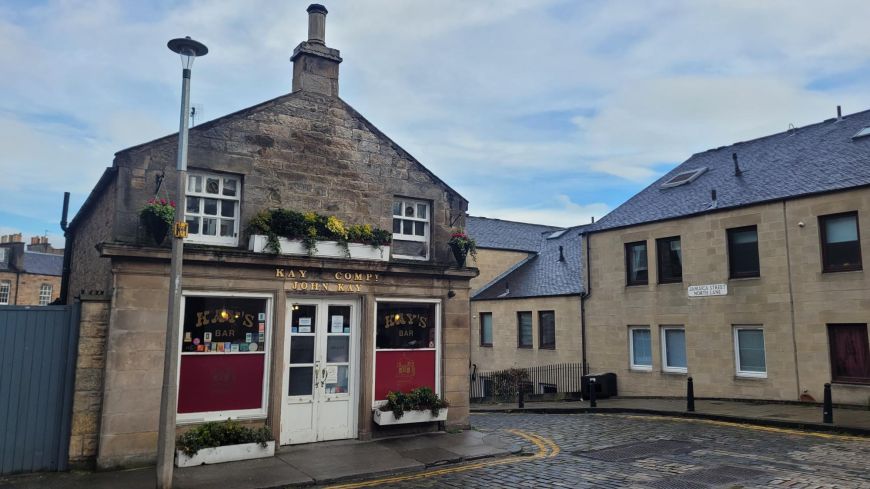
<point x="504" y="352"/>
<point x="303" y="151"/>
<point x="88" y="394"/>
<point x="792" y="300"/>
<point x="88" y="271"/>
<point x="493" y="263"/>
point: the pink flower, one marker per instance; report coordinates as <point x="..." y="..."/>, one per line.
<point x="172" y="203"/>
<point x="163" y="201"/>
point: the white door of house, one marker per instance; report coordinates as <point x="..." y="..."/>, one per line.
<point x="321" y="354"/>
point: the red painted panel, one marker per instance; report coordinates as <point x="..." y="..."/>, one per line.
<point x="403" y="371"/>
<point x="220" y="382"/>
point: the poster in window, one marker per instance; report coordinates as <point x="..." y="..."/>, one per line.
<point x="405" y="326"/>
<point x="223" y="324"/>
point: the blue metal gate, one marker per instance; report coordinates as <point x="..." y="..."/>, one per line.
<point x="38" y="349"/>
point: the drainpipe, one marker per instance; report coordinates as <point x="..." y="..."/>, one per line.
<point x="67" y="250"/>
<point x="587" y="291"/>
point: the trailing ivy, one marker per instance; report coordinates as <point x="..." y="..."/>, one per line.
<point x="220" y="434"/>
<point x="310" y="227"/>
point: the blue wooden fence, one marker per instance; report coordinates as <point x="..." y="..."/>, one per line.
<point x="38" y="349"/>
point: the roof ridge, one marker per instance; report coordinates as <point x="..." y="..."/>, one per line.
<point x="760" y="138"/>
<point x="517" y="222"/>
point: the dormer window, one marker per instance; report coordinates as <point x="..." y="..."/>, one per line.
<point x="684" y="178"/>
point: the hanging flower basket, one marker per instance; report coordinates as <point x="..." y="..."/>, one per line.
<point x="157" y="217"/>
<point x="462" y="245"/>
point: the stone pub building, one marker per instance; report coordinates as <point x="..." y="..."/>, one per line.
<point x="306" y="344"/>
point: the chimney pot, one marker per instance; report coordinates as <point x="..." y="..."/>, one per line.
<point x="34" y="240"/>
<point x="317" y="23"/>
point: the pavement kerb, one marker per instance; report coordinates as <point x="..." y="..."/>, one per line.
<point x="512" y="451"/>
<point x="776" y="423"/>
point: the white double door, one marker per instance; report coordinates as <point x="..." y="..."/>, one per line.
<point x="320" y="388"/>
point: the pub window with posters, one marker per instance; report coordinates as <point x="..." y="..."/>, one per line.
<point x="406" y="347"/>
<point x="224" y="344"/>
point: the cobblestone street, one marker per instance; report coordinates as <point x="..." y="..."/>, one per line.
<point x="585" y="450"/>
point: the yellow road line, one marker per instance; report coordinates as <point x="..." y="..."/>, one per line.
<point x="730" y="424"/>
<point x="546" y="448"/>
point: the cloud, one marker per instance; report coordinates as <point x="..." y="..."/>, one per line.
<point x="515" y="103"/>
<point x="558" y="211"/>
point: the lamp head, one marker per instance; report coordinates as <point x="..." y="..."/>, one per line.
<point x="188" y="49"/>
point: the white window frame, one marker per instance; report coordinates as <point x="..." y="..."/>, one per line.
<point x="5" y="290"/>
<point x="665" y="366"/>
<point x="427" y="221"/>
<point x="742" y="373"/>
<point x="632" y="365"/>
<point x="216" y="239"/>
<point x="263" y="412"/>
<point x="45" y="291"/>
<point x="376" y="403"/>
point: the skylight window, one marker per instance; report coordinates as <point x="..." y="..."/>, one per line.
<point x="684" y="177"/>
<point x="557" y="234"/>
<point x="865" y="131"/>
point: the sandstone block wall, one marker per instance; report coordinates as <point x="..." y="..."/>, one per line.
<point x="504" y="352"/>
<point x="24" y="288"/>
<point x="88" y="394"/>
<point x="792" y="300"/>
<point x="493" y="263"/>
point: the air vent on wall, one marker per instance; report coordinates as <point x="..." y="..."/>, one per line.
<point x="683" y="178"/>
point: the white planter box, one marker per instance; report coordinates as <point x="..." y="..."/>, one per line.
<point x="387" y="417"/>
<point x="325" y="249"/>
<point x="229" y="453"/>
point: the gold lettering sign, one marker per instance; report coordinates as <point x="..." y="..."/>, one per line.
<point x="344" y="281"/>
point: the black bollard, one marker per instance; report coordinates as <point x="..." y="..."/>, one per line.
<point x="828" y="407"/>
<point x="520" y="402"/>
<point x="690" y="396"/>
<point x="592" y="402"/>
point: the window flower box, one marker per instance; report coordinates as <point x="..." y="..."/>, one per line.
<point x="228" y="453"/>
<point x="325" y="249"/>
<point x="384" y="418"/>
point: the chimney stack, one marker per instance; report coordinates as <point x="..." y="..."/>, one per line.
<point x="315" y="66"/>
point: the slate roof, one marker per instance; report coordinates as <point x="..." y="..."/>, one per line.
<point x="542" y="273"/>
<point x="43" y="263"/>
<point x="506" y="235"/>
<point x="817" y="158"/>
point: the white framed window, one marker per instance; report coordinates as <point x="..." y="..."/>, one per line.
<point x="211" y="208"/>
<point x="5" y="286"/>
<point x="749" y="356"/>
<point x="674" y="349"/>
<point x="45" y="294"/>
<point x="411" y="220"/>
<point x="640" y="347"/>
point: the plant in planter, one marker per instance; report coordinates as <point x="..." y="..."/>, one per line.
<point x="204" y="443"/>
<point x="462" y="245"/>
<point x="419" y="399"/>
<point x="158" y="215"/>
<point x="309" y="228"/>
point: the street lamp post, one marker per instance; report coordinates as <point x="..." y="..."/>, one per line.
<point x="189" y="50"/>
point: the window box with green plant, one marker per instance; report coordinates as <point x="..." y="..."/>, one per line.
<point x="288" y="232"/>
<point x="218" y="442"/>
<point x="421" y="405"/>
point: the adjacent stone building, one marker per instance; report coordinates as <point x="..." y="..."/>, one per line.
<point x="29" y="275"/>
<point x="525" y="304"/>
<point x="742" y="268"/>
<point x="307" y="343"/>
